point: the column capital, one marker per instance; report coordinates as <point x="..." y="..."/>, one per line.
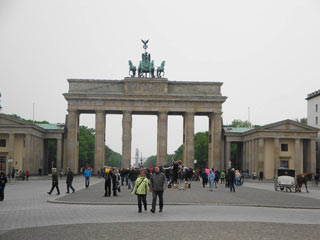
<point x="72" y="110"/>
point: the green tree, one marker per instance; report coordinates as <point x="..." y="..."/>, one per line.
<point x="152" y="159"/>
<point x="86" y="146"/>
<point x="240" y="123"/>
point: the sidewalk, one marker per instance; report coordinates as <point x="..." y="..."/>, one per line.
<point x="248" y="195"/>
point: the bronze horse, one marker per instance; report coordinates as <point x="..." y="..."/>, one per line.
<point x="303" y="178"/>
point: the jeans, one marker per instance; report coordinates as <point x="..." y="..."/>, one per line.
<point x="211" y="184"/>
<point x="87" y="181"/>
<point x="231" y="185"/>
<point x="142" y="198"/>
<point x="154" y="199"/>
<point x="69" y="185"/>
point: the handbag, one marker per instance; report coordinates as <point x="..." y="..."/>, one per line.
<point x="135" y="192"/>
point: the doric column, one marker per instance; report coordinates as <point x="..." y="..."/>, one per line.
<point x="217" y="146"/>
<point x="99" y="145"/>
<point x="244" y="157"/>
<point x="260" y="154"/>
<point x="297" y="156"/>
<point x="228" y="155"/>
<point x="313" y="163"/>
<point x="27" y="152"/>
<point x="250" y="157"/>
<point x="59" y="154"/>
<point x="72" y="141"/>
<point x="276" y="154"/>
<point x="126" y="139"/>
<point x="188" y="139"/>
<point x="11" y="150"/>
<point x="162" y="138"/>
<point x="210" y="141"/>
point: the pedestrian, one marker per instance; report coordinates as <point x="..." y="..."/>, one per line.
<point x="141" y="188"/>
<point x="216" y="178"/>
<point x="211" y="178"/>
<point x="55" y="182"/>
<point x="181" y="177"/>
<point x="204" y="177"/>
<point x="222" y="176"/>
<point x="39" y="171"/>
<point x="107" y="183"/>
<point x="3" y="181"/>
<point x="231" y="180"/>
<point x="87" y="175"/>
<point x="13" y="172"/>
<point x="254" y="175"/>
<point x="158" y="185"/>
<point x="114" y="182"/>
<point x="27" y="174"/>
<point x="69" y="180"/>
<point x="260" y="176"/>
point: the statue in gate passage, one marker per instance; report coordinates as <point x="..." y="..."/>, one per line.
<point x="146" y="65"/>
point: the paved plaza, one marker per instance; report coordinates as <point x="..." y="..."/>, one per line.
<point x="190" y="214"/>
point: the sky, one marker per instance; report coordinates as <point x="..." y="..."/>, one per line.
<point x="266" y="53"/>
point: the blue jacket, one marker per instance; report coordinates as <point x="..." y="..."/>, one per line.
<point x="211" y="177"/>
<point x="87" y="173"/>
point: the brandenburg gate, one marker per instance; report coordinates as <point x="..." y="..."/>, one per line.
<point x="144" y="95"/>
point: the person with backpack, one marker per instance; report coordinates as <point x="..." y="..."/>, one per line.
<point x="141" y="188"/>
<point x="181" y="178"/>
<point x="107" y="184"/>
<point x="87" y="175"/>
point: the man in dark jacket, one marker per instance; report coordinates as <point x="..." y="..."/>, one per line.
<point x="69" y="180"/>
<point x="55" y="182"/>
<point x="107" y="184"/>
<point x="158" y="185"/>
<point x="232" y="177"/>
<point x="3" y="181"/>
<point x="114" y="183"/>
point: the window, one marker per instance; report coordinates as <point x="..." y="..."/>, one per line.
<point x="2" y="143"/>
<point x="2" y="163"/>
<point x="284" y="163"/>
<point x="316" y="120"/>
<point x="284" y="147"/>
<point x="316" y="107"/>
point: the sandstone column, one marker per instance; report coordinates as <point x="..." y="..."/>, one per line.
<point x="250" y="157"/>
<point x="260" y="156"/>
<point x="228" y="155"/>
<point x="210" y="141"/>
<point x="162" y="138"/>
<point x="11" y="151"/>
<point x="217" y="146"/>
<point x="126" y="139"/>
<point x="313" y="163"/>
<point x="244" y="157"/>
<point x="99" y="144"/>
<point x="59" y="155"/>
<point x="297" y="156"/>
<point x="276" y="155"/>
<point x="188" y="137"/>
<point x="72" y="140"/>
<point x="27" y="153"/>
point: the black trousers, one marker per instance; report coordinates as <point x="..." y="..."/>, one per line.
<point x="107" y="188"/>
<point x="1" y="193"/>
<point x="142" y="198"/>
<point x="55" y="185"/>
<point x="154" y="199"/>
<point x="204" y="181"/>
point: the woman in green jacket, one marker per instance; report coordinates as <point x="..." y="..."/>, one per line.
<point x="141" y="188"/>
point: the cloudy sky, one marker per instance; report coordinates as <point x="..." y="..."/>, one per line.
<point x="267" y="54"/>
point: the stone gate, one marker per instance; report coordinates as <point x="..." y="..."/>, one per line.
<point x="146" y="96"/>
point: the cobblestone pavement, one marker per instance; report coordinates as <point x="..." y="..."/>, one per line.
<point x="246" y="196"/>
<point x="26" y="212"/>
<point x="169" y="230"/>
